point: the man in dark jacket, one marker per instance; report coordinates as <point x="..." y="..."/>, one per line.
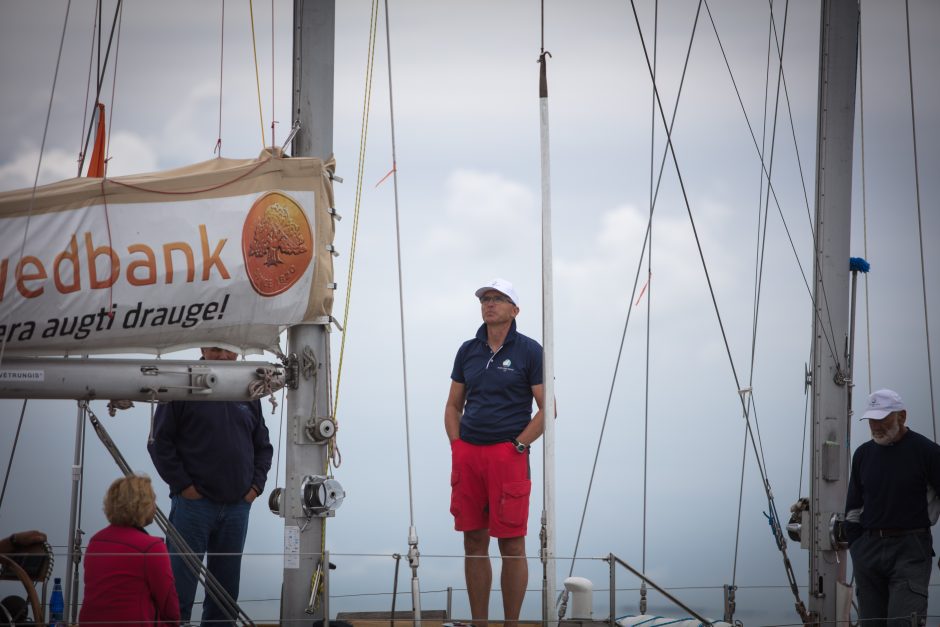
<point x="215" y="456"/>
<point x="888" y="524"/>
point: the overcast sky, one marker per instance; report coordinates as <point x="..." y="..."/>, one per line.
<point x="465" y="80"/>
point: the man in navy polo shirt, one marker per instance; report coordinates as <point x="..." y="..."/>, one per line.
<point x="489" y="421"/>
<point x="887" y="515"/>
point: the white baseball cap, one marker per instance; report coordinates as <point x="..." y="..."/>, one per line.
<point x="882" y="403"/>
<point x="502" y="286"/>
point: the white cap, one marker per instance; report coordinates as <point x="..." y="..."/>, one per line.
<point x="882" y="403"/>
<point x="502" y="286"/>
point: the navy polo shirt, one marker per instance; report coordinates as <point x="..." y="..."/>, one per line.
<point x="498" y="386"/>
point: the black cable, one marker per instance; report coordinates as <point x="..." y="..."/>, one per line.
<point x="16" y="439"/>
<point x="100" y="80"/>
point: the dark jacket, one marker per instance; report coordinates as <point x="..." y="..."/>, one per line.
<point x="220" y="447"/>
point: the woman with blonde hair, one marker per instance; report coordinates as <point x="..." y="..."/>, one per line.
<point x="128" y="580"/>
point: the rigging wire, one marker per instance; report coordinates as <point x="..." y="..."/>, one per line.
<point x="117" y="52"/>
<point x="772" y="516"/>
<point x="363" y="135"/>
<point x="636" y="280"/>
<point x="360" y="174"/>
<point x="102" y="67"/>
<point x="280" y="437"/>
<point x="91" y="61"/>
<point x="42" y="148"/>
<point x="16" y="439"/>
<point x="413" y="554"/>
<point x="761" y="240"/>
<point x="649" y="297"/>
<point x="826" y="336"/>
<point x="861" y="106"/>
<point x="75" y="541"/>
<point x="273" y="121"/>
<point x="254" y="49"/>
<point x="920" y="223"/>
<point x="737" y="531"/>
<point x="805" y="444"/>
<point x="401" y="293"/>
<point x="218" y="141"/>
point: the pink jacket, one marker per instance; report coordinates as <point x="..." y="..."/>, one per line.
<point x="128" y="580"/>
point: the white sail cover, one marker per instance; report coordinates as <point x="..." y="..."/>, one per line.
<point x="225" y="253"/>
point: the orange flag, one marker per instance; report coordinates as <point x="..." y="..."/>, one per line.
<point x="96" y="164"/>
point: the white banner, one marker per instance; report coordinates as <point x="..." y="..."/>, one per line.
<point x="159" y="275"/>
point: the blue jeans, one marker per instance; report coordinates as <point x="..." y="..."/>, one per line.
<point x="215" y="528"/>
<point x="891" y="577"/>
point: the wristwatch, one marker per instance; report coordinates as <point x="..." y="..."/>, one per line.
<point x="520" y="447"/>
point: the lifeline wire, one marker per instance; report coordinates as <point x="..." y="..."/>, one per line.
<point x="42" y="147"/>
<point x="920" y="224"/>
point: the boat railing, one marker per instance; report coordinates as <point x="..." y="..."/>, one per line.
<point x="612" y="560"/>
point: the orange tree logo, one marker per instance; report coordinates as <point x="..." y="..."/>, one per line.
<point x="276" y="243"/>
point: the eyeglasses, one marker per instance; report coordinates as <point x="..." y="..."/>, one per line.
<point x="499" y="298"/>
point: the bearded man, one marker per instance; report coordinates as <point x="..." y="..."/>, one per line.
<point x="887" y="521"/>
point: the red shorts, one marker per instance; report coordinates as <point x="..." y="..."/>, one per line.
<point x="490" y="488"/>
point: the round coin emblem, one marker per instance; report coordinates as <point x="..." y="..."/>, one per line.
<point x="277" y="243"/>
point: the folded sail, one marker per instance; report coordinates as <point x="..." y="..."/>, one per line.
<point x="225" y="252"/>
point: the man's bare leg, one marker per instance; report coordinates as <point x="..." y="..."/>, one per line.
<point x="514" y="577"/>
<point x="479" y="574"/>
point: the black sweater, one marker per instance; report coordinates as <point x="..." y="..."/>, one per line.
<point x="889" y="483"/>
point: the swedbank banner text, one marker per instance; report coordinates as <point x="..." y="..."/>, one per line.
<point x="226" y="252"/>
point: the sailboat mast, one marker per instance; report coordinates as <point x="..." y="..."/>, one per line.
<point x="830" y="377"/>
<point x="312" y="106"/>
